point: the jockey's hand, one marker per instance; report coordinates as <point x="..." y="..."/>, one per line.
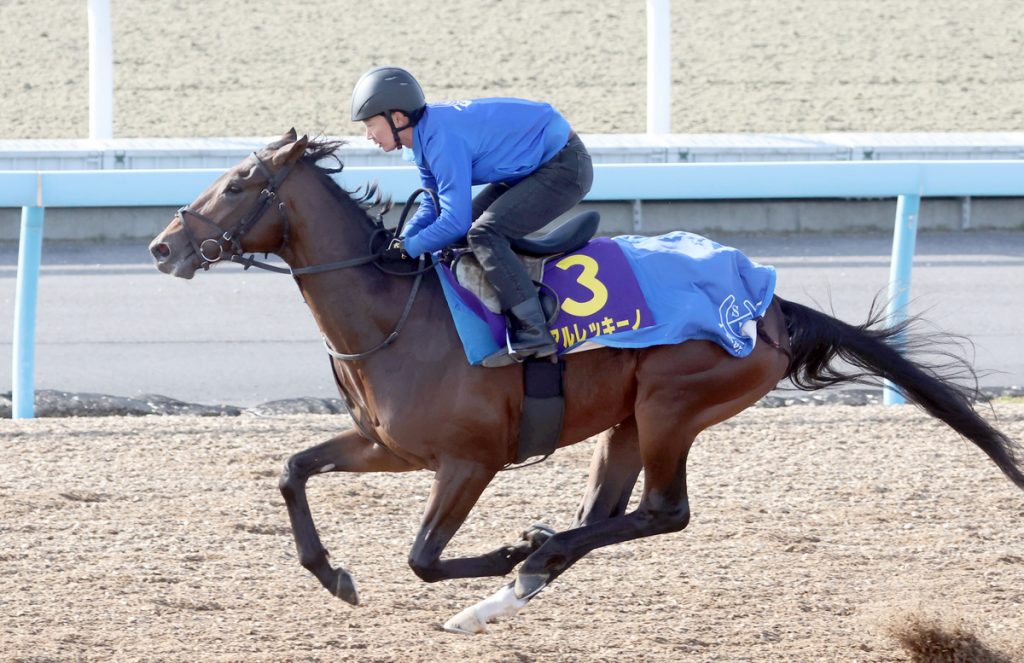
<point x="395" y="251"/>
<point x="447" y="255"/>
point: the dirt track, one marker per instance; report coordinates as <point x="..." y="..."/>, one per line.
<point x="256" y="67"/>
<point x="165" y="539"/>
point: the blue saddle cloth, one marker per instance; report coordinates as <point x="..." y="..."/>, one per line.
<point x="633" y="292"/>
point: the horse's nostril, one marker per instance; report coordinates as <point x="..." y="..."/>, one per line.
<point x="161" y="251"/>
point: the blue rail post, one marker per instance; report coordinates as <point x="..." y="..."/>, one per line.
<point x="30" y="251"/>
<point x="904" y="238"/>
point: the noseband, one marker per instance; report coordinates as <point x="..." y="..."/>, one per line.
<point x="229" y="242"/>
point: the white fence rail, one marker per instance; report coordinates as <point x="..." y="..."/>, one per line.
<point x="906" y="181"/>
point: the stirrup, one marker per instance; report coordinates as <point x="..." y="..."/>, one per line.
<point x="505" y="356"/>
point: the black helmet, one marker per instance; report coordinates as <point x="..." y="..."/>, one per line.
<point x="385" y="89"/>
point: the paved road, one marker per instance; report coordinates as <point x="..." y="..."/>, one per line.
<point x="110" y="323"/>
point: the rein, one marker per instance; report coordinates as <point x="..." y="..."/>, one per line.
<point x="229" y="245"/>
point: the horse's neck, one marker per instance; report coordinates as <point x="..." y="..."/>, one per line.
<point x="355" y="306"/>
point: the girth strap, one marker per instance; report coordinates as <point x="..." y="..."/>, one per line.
<point x="543" y="414"/>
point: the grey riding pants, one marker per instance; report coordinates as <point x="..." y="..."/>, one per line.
<point x="501" y="211"/>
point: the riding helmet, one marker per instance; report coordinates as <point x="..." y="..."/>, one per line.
<point x="385" y="89"/>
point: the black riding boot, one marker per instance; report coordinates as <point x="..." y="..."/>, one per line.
<point x="530" y="335"/>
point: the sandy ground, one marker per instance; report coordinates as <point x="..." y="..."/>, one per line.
<point x="165" y="539"/>
<point x="257" y="67"/>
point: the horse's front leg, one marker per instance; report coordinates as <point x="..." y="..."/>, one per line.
<point x="348" y="452"/>
<point x="458" y="485"/>
<point x="613" y="473"/>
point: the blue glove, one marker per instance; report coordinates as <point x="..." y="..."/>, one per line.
<point x="395" y="251"/>
<point x="412" y="246"/>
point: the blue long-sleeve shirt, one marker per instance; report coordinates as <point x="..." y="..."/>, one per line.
<point x="476" y="141"/>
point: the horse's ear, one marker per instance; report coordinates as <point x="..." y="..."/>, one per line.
<point x="287" y="139"/>
<point x="291" y="152"/>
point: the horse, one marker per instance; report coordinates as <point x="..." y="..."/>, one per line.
<point x="417" y="404"/>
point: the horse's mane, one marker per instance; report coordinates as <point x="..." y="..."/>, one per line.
<point x="363" y="200"/>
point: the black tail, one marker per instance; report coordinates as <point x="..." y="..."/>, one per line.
<point x="817" y="340"/>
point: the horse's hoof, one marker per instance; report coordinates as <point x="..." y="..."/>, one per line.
<point x="466" y="623"/>
<point x="503" y="603"/>
<point x="538" y="534"/>
<point x="529" y="585"/>
<point x="341" y="584"/>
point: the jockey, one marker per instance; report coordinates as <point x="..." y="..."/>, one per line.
<point x="534" y="166"/>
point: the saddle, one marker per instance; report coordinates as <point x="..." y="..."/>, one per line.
<point x="567" y="237"/>
<point x="533" y="250"/>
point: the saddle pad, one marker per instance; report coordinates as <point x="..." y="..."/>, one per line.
<point x="632" y="292"/>
<point x="470" y="275"/>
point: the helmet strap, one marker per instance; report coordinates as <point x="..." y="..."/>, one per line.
<point x="394" y="129"/>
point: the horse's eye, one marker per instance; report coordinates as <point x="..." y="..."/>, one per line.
<point x="234" y="188"/>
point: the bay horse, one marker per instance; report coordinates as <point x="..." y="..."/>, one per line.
<point x="417" y="404"/>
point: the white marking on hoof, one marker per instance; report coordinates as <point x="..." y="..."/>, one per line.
<point x="473" y="619"/>
<point x="465" y="623"/>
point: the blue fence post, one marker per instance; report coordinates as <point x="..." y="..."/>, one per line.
<point x="30" y="251"/>
<point x="904" y="238"/>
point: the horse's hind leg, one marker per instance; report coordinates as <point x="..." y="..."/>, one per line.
<point x="720" y="390"/>
<point x="613" y="472"/>
<point x="348" y="452"/>
<point x="663" y="508"/>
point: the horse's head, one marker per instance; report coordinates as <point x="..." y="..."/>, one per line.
<point x="240" y="212"/>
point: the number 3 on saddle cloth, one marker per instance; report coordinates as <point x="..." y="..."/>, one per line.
<point x="627" y="292"/>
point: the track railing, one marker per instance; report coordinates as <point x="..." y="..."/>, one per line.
<point x="905" y="181"/>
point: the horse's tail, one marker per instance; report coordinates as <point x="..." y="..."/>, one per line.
<point x="817" y="340"/>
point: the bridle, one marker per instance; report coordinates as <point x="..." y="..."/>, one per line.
<point x="228" y="245"/>
<point x="231" y="240"/>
